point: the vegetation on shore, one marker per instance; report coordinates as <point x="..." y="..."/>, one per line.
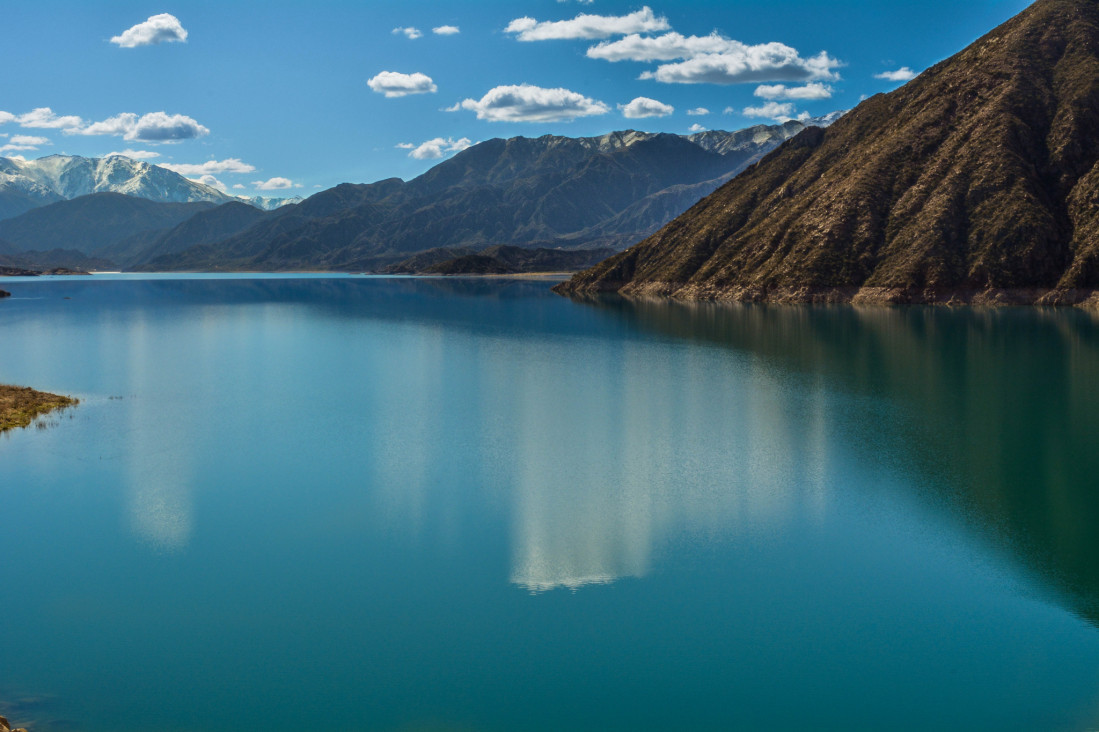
<point x="21" y="405"/>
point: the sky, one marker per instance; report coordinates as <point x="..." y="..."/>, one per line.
<point x="285" y="98"/>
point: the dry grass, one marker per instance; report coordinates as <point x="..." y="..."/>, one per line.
<point x="21" y="405"/>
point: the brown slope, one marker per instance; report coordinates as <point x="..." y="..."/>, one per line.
<point x="977" y="180"/>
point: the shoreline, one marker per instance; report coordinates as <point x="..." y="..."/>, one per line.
<point x="20" y="406"/>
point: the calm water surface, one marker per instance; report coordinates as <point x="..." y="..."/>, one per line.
<point x="403" y="504"/>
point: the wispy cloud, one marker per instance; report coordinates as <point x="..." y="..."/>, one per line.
<point x="24" y="143"/>
<point x="698" y="112"/>
<point x="766" y="62"/>
<point x="210" y="180"/>
<point x="273" y="184"/>
<point x="210" y="167"/>
<point x="152" y="127"/>
<point x="446" y="30"/>
<point x="902" y="74"/>
<point x="396" y="84"/>
<point x="588" y="27"/>
<point x="163" y="28"/>
<point x="780" y="91"/>
<point x="409" y="32"/>
<point x="135" y="154"/>
<point x="435" y="149"/>
<point x="528" y="103"/>
<point x="778" y="111"/>
<point x="44" y="118"/>
<point x="642" y="107"/>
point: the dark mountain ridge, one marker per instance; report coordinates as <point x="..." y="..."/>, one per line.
<point x="977" y="181"/>
<point x="553" y="192"/>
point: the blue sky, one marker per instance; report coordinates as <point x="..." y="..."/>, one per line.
<point x="285" y="98"/>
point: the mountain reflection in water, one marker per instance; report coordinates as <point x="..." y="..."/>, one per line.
<point x="997" y="409"/>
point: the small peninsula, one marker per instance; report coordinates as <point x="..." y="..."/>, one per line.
<point x="21" y="405"/>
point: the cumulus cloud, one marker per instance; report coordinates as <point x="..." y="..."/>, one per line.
<point x="667" y="47"/>
<point x="644" y="107"/>
<point x="43" y="118"/>
<point x="6" y="117"/>
<point x="409" y="32"/>
<point x="163" y="28"/>
<point x="698" y="112"/>
<point x="446" y="30"/>
<point x="528" y="103"/>
<point x="765" y="62"/>
<point x="696" y="128"/>
<point x="152" y="127"/>
<point x="779" y="112"/>
<point x="135" y="154"/>
<point x="210" y="167"/>
<point x="902" y="74"/>
<point x="273" y="184"/>
<point x="209" y="180"/>
<point x="815" y="90"/>
<point x="24" y="142"/>
<point x="396" y="84"/>
<point x="587" y="26"/>
<point x="435" y="149"/>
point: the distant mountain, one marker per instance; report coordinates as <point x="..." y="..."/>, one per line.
<point x="90" y="224"/>
<point x="977" y="181"/>
<point x="266" y="203"/>
<point x="27" y="184"/>
<point x="549" y="192"/>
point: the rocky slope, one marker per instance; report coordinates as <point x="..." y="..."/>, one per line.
<point x="977" y="181"/>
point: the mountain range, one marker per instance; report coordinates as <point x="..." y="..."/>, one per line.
<point x="547" y="193"/>
<point x="29" y="184"/>
<point x="976" y="182"/>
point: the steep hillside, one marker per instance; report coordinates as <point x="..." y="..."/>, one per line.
<point x="976" y="181"/>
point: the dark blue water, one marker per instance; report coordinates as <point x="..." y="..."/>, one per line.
<point x="406" y="504"/>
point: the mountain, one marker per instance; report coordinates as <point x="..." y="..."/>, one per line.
<point x="977" y="181"/>
<point x="548" y="192"/>
<point x="90" y="224"/>
<point x="27" y="184"/>
<point x="499" y="259"/>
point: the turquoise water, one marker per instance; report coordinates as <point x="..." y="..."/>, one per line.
<point x="353" y="503"/>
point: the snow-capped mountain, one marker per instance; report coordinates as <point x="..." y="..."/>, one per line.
<point x="27" y="184"/>
<point x="266" y="203"/>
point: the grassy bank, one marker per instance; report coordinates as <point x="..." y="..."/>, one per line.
<point x="20" y="405"/>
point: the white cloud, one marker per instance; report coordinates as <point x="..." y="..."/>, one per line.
<point x="157" y="29"/>
<point x="210" y="167"/>
<point x="24" y="142"/>
<point x="588" y="26"/>
<point x="815" y="90"/>
<point x="396" y="84"/>
<point x="645" y="107"/>
<point x="43" y="118"/>
<point x="273" y="184"/>
<point x="152" y="127"/>
<point x="765" y="62"/>
<point x="209" y="180"/>
<point x="698" y="112"/>
<point x="239" y="187"/>
<point x="446" y="30"/>
<point x="6" y="117"/>
<point x="528" y="103"/>
<point x="779" y="112"/>
<point x="135" y="154"/>
<point x="696" y="128"/>
<point x="435" y="149"/>
<point x="409" y="32"/>
<point x="667" y="47"/>
<point x="902" y="74"/>
<point x="582" y="2"/>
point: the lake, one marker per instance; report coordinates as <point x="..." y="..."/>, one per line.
<point x="367" y="503"/>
